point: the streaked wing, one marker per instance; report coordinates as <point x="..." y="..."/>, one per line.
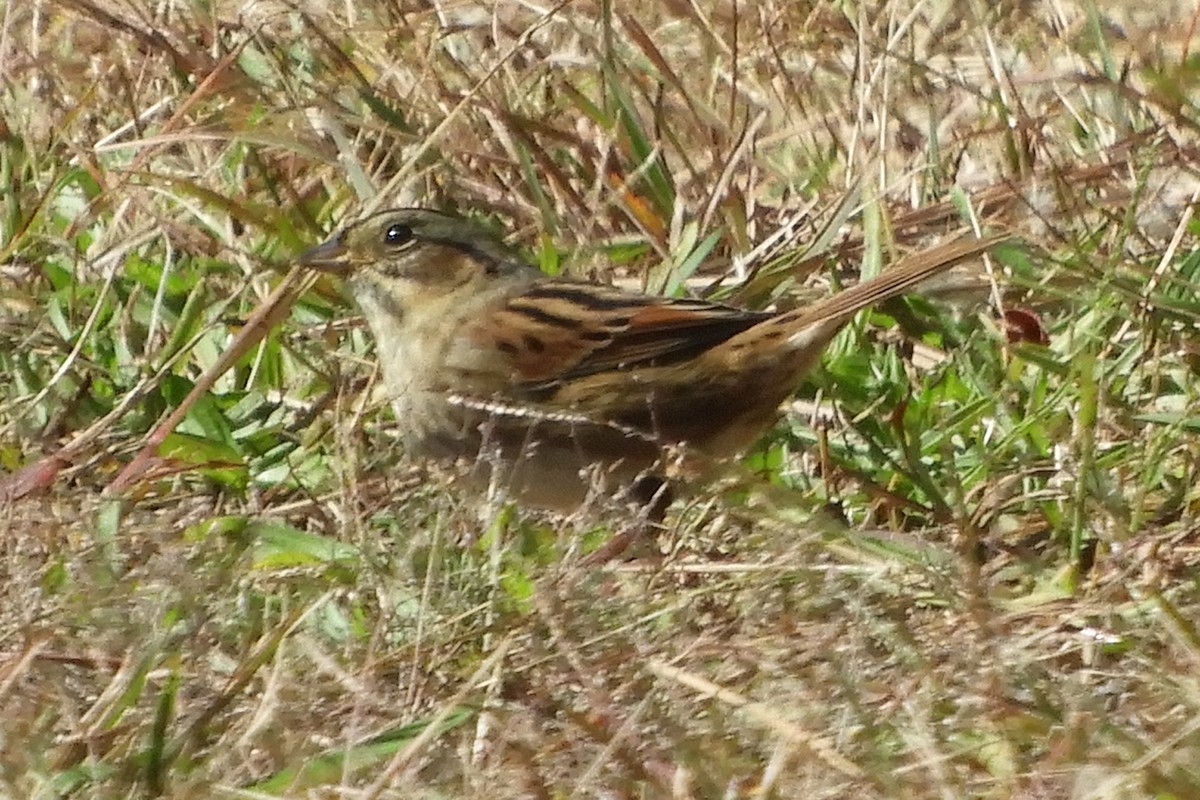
<point x="560" y="330"/>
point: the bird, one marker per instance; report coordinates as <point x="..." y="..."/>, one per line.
<point x="559" y="390"/>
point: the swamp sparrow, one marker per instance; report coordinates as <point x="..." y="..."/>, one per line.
<point x="565" y="385"/>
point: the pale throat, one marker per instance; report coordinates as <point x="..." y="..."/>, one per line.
<point x="410" y="328"/>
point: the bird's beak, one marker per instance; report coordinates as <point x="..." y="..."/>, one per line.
<point x="327" y="257"/>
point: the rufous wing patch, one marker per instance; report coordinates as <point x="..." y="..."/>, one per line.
<point x="537" y="349"/>
<point x="565" y="331"/>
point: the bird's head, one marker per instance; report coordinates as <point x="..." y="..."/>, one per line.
<point x="406" y="255"/>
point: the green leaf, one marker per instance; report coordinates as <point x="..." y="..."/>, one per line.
<point x="215" y="460"/>
<point x="1179" y="420"/>
<point x="278" y="544"/>
<point x="334" y="766"/>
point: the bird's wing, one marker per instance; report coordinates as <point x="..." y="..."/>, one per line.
<point x="561" y="330"/>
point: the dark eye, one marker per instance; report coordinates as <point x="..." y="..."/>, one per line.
<point x="397" y="235"/>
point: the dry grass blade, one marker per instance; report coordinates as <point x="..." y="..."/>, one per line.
<point x="763" y="715"/>
<point x="962" y="565"/>
<point x="387" y="777"/>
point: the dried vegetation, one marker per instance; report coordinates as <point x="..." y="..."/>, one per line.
<point x="964" y="565"/>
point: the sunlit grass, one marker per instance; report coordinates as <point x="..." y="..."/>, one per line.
<point x="963" y="565"/>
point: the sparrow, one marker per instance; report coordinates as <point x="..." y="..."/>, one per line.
<point x="556" y="388"/>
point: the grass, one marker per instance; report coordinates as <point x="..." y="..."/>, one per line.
<point x="963" y="565"/>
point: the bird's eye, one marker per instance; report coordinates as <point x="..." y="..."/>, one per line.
<point x="397" y="235"/>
